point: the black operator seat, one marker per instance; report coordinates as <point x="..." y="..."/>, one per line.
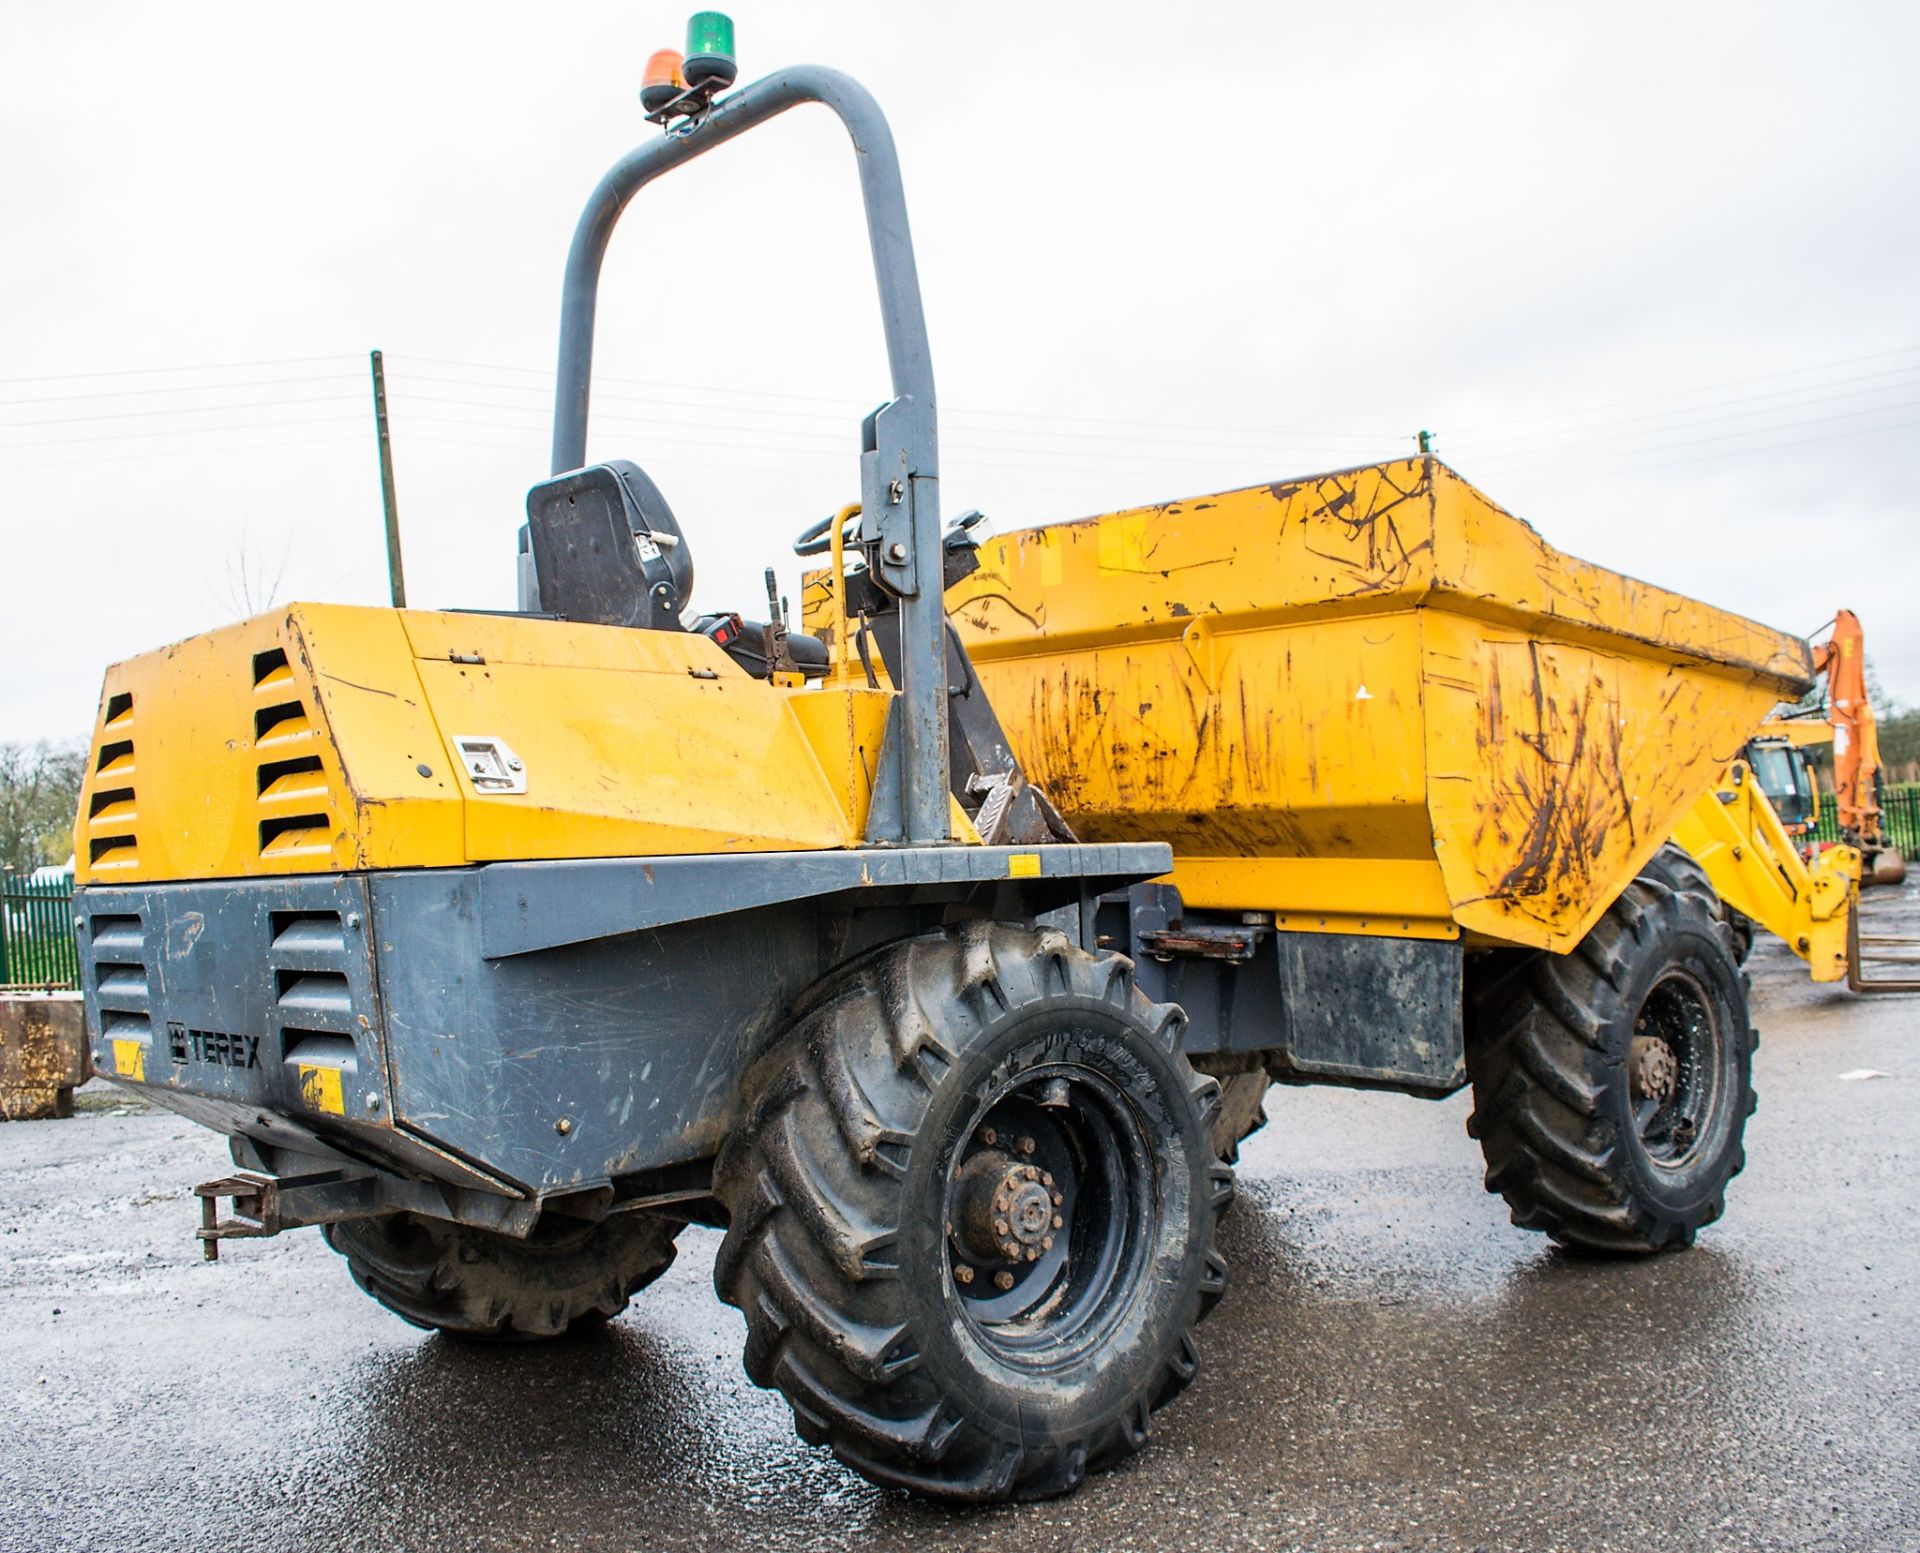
<point x="607" y="549"/>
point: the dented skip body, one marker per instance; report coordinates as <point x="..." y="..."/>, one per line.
<point x="1367" y="702"/>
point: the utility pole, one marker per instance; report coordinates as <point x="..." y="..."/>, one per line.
<point x="396" y="577"/>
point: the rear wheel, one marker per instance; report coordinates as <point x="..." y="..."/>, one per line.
<point x="1612" y="1085"/>
<point x="473" y="1283"/>
<point x="972" y="1213"/>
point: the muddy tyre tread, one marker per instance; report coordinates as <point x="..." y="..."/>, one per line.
<point x="1242" y="1112"/>
<point x="814" y="1180"/>
<point x="1543" y="1052"/>
<point x="472" y="1283"/>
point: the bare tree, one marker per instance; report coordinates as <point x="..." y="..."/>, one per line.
<point x="252" y="583"/>
<point x="39" y="792"/>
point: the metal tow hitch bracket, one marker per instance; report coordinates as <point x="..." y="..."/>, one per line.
<point x="256" y="1210"/>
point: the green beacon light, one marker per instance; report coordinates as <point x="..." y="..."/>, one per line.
<point x="710" y="62"/>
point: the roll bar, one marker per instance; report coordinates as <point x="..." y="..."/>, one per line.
<point x="899" y="457"/>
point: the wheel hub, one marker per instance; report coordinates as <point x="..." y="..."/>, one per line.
<point x="1008" y="1209"/>
<point x="1653" y="1070"/>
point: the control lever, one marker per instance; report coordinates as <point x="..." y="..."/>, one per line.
<point x="773" y="637"/>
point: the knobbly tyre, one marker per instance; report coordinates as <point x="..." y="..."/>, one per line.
<point x="503" y="946"/>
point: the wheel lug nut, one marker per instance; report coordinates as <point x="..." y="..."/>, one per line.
<point x="1010" y="1249"/>
<point x="1033" y="1253"/>
<point x="1046" y="1178"/>
<point x="989" y="1137"/>
<point x="1058" y="1199"/>
<point x="1003" y="1281"/>
<point x="1030" y="1173"/>
<point x="1045" y="1245"/>
<point x="1027" y="1145"/>
<point x="1058" y="1223"/>
<point x="963" y="1274"/>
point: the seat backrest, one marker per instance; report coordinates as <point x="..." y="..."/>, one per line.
<point x="607" y="549"/>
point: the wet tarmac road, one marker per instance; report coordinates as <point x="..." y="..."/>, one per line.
<point x="1394" y="1367"/>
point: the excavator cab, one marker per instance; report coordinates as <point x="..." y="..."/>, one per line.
<point x="1786" y="775"/>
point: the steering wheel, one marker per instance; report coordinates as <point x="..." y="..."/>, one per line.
<point x="817" y="538"/>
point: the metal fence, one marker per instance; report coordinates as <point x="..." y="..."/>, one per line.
<point x="1899" y="819"/>
<point x="37" y="946"/>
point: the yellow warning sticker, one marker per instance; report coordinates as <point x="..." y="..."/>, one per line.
<point x="130" y="1060"/>
<point x="1023" y="865"/>
<point x="320" y="1090"/>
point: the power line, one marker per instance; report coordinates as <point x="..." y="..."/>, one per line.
<point x="196" y="409"/>
<point x="1661" y="447"/>
<point x="185" y="388"/>
<point x="666" y="458"/>
<point x="403" y="393"/>
<point x="735" y="440"/>
<point x="218" y="366"/>
<point x="1707" y="388"/>
<point x="178" y="431"/>
<point x="1668" y="415"/>
<point x="837" y="443"/>
<point x="1798" y="442"/>
<point x="120" y="458"/>
<point x="957" y="410"/>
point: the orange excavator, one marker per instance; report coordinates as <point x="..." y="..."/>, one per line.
<point x="1856" y="749"/>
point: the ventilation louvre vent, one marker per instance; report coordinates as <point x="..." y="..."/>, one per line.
<point x="270" y="670"/>
<point x="121" y="985"/>
<point x="295" y="815"/>
<point x="111" y="843"/>
<point x="320" y="1048"/>
<point x="296" y="835"/>
<point x="302" y="778"/>
<point x="111" y="803"/>
<point x="113" y="955"/>
<point x="106" y="852"/>
<point x="280" y="722"/>
<point x="118" y="937"/>
<point x="308" y="932"/>
<point x="313" y="1000"/>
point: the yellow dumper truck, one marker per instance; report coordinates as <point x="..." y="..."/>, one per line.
<point x="505" y="945"/>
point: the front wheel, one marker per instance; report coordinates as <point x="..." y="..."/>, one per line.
<point x="474" y="1283"/>
<point x="1612" y="1085"/>
<point x="972" y="1214"/>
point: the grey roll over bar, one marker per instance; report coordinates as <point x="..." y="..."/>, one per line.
<point x="899" y="462"/>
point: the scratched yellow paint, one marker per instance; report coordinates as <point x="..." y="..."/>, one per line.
<point x="319" y="738"/>
<point x="130" y="1060"/>
<point x="1405" y="714"/>
<point x="320" y="1090"/>
<point x="1023" y="865"/>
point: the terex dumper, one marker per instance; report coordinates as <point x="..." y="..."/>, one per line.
<point x="503" y="946"/>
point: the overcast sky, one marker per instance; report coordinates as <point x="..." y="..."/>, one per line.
<point x="1647" y="271"/>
